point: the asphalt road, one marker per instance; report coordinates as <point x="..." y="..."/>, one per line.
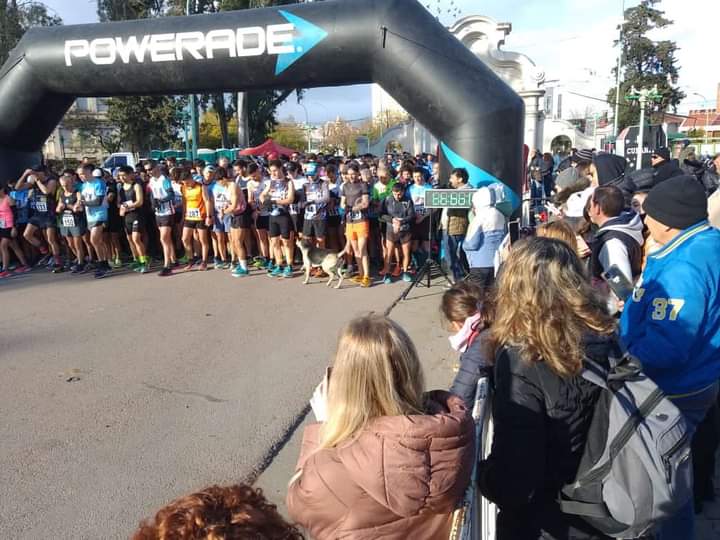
<point x="118" y="395"/>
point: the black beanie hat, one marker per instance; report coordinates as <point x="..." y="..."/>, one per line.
<point x="678" y="202"/>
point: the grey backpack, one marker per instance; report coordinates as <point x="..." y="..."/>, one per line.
<point x="636" y="468"/>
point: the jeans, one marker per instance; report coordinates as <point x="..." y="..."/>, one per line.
<point x="454" y="253"/>
<point x="694" y="409"/>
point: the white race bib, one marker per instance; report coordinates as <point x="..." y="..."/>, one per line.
<point x="41" y="206"/>
<point x="2" y="224"/>
<point x="356" y="216"/>
<point x="193" y="213"/>
<point x="68" y="220"/>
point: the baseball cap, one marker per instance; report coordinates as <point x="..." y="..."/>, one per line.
<point x="97" y="173"/>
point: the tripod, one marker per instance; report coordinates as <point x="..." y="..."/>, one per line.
<point x="423" y="273"/>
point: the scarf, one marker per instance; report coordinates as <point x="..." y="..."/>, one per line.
<point x="461" y="341"/>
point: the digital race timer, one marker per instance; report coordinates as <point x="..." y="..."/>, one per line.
<point x="449" y="198"/>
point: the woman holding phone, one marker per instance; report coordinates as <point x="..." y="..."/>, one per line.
<point x="386" y="460"/>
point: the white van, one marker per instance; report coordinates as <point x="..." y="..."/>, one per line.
<point x="118" y="159"/>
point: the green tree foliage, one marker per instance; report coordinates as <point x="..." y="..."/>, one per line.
<point x="16" y="17"/>
<point x="126" y="10"/>
<point x="210" y="135"/>
<point x="646" y="63"/>
<point x="146" y="122"/>
<point x="291" y="136"/>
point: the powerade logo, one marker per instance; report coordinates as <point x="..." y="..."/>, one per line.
<point x="290" y="41"/>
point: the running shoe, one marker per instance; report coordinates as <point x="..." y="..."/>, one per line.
<point x="11" y="267"/>
<point x="24" y="269"/>
<point x="75" y="269"/>
<point x="239" y="271"/>
<point x="225" y="265"/>
<point x="101" y="272"/>
<point x="165" y="272"/>
<point x="396" y="272"/>
<point x="5" y="274"/>
<point x="276" y="272"/>
<point x="58" y="269"/>
<point x="406" y="277"/>
<point x="217" y="264"/>
<point x="365" y="282"/>
<point x="287" y="272"/>
<point x="184" y="260"/>
<point x="135" y="266"/>
<point x="356" y="279"/>
<point x="117" y="263"/>
<point x="175" y="264"/>
<point x="144" y="269"/>
<point x="203" y="266"/>
<point x="269" y="264"/>
<point x="387" y="280"/>
<point x="42" y="261"/>
<point x="188" y="266"/>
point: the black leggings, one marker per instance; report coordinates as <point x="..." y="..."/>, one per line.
<point x="482" y="277"/>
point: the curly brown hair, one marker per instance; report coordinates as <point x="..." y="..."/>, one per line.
<point x="545" y="305"/>
<point x="237" y="512"/>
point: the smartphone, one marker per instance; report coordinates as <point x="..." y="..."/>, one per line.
<point x="328" y="372"/>
<point x="618" y="283"/>
<point x="514" y="228"/>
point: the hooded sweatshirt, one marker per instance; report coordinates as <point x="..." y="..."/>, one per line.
<point x="619" y="242"/>
<point x="399" y="478"/>
<point x="485" y="232"/>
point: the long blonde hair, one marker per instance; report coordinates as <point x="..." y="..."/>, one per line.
<point x="376" y="373"/>
<point x="545" y="305"/>
<point x="560" y="230"/>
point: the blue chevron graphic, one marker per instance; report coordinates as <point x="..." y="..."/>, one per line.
<point x="307" y="36"/>
<point x="478" y="176"/>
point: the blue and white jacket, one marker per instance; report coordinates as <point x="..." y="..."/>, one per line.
<point x="485" y="232"/>
<point x="672" y="321"/>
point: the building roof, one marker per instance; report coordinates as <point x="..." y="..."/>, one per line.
<point x="698" y="119"/>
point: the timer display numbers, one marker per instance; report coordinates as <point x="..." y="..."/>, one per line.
<point x="449" y="198"/>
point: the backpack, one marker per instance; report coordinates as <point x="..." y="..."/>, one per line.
<point x="636" y="468"/>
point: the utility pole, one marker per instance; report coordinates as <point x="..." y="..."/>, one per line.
<point x="642" y="96"/>
<point x="195" y="125"/>
<point x="617" y="79"/>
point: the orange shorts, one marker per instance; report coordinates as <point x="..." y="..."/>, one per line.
<point x="355" y="231"/>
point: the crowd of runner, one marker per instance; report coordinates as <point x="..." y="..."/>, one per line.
<point x="235" y="216"/>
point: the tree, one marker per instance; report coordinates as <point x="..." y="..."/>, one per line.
<point x="339" y="136"/>
<point x="291" y="136"/>
<point x="15" y="19"/>
<point x="146" y="122"/>
<point x="646" y="63"/>
<point x="210" y="135"/>
<point x="94" y="129"/>
<point x="126" y="10"/>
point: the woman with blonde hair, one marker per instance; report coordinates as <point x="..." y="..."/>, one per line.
<point x="386" y="461"/>
<point x="559" y="230"/>
<point x="548" y="319"/>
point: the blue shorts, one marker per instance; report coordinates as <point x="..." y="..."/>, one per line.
<point x="223" y="225"/>
<point x="43" y="220"/>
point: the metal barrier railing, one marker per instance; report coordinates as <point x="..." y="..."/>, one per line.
<point x="477" y="515"/>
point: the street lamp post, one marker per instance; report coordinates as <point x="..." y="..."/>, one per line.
<point x="617" y="79"/>
<point x="707" y="114"/>
<point x="194" y="124"/>
<point x="642" y="96"/>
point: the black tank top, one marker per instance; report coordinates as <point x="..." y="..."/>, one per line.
<point x="127" y="195"/>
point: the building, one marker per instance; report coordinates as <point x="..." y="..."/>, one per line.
<point x="558" y="114"/>
<point x="78" y="134"/>
<point x="702" y="127"/>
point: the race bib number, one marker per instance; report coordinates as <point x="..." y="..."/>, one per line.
<point x="2" y="224"/>
<point x="294" y="209"/>
<point x="41" y="206"/>
<point x="68" y="220"/>
<point x="356" y="216"/>
<point x="193" y="213"/>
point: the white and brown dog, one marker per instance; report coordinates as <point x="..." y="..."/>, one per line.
<point x="330" y="261"/>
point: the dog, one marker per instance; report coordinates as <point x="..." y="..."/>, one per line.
<point x="330" y="261"/>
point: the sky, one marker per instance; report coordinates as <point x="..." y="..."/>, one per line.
<point x="571" y="40"/>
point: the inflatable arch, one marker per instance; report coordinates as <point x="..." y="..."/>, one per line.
<point x="477" y="118"/>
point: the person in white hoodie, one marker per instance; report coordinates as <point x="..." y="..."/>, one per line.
<point x="483" y="238"/>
